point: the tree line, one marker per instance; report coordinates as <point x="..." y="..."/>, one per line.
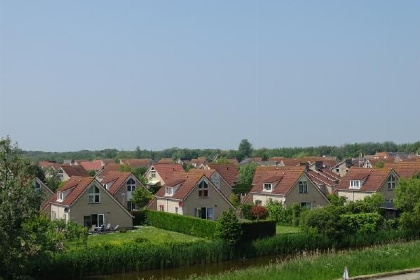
<point x="244" y="150"/>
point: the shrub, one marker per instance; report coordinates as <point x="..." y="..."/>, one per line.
<point x="362" y="223"/>
<point x="228" y="228"/>
<point x="257" y="230"/>
<point x="246" y="211"/>
<point x="259" y="212"/>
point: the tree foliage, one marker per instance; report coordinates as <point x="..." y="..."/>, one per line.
<point x="408" y="201"/>
<point x="228" y="228"/>
<point x="245" y="149"/>
<point x="141" y="197"/>
<point x="246" y="173"/>
<point x="25" y="235"/>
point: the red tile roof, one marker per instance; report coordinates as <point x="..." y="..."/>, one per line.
<point x="165" y="160"/>
<point x="229" y="172"/>
<point x="75" y="170"/>
<point x="117" y="178"/>
<point x="168" y="171"/>
<point x="374" y="179"/>
<point x="76" y="185"/>
<point x="405" y="169"/>
<point x="91" y="165"/>
<point x="138" y="162"/>
<point x="282" y="178"/>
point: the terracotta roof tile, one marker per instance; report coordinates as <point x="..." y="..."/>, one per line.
<point x="374" y="179"/>
<point x="229" y="172"/>
<point x="138" y="162"/>
<point x="117" y="177"/>
<point x="91" y="165"/>
<point x="405" y="169"/>
<point x="75" y="170"/>
<point x="285" y="178"/>
<point x="76" y="185"/>
<point x="168" y="171"/>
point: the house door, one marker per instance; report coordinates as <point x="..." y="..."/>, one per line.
<point x="97" y="219"/>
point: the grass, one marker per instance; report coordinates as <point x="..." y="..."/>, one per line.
<point x="145" y="233"/>
<point x="284" y="229"/>
<point x="377" y="259"/>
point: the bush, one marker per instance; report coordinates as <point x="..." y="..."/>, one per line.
<point x="183" y="224"/>
<point x="259" y="212"/>
<point x="228" y="228"/>
<point x="139" y="217"/>
<point x="246" y="211"/>
<point x="362" y="223"/>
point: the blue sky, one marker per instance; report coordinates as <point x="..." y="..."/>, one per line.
<point x="205" y="74"/>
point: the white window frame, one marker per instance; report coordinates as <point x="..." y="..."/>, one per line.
<point x="392" y="182"/>
<point x="153" y="173"/>
<point x="60" y="196"/>
<point x="203" y="189"/>
<point x="306" y="204"/>
<point x="169" y="191"/>
<point x="355" y="184"/>
<point x="267" y="187"/>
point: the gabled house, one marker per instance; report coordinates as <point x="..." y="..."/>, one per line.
<point x="362" y="182"/>
<point x="121" y="186"/>
<point x="159" y="173"/>
<point x="192" y="194"/>
<point x="137" y="162"/>
<point x="289" y="185"/>
<point x="65" y="172"/>
<point x="94" y="165"/>
<point x="85" y="201"/>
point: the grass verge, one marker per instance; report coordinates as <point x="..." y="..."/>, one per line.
<point x="377" y="259"/>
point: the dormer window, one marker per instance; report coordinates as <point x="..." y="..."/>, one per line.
<point x="203" y="189"/>
<point x="94" y="196"/>
<point x="131" y="185"/>
<point x="60" y="196"/>
<point x="355" y="184"/>
<point x="391" y="182"/>
<point x="267" y="187"/>
<point x="169" y="191"/>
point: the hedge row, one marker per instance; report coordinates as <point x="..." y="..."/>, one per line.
<point x="183" y="224"/>
<point x="257" y="230"/>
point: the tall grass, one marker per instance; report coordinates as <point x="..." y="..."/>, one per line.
<point x="140" y="255"/>
<point x="383" y="258"/>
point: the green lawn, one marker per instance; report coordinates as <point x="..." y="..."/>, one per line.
<point x="282" y="229"/>
<point x="151" y="234"/>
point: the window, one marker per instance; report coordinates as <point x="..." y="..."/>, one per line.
<point x="97" y="219"/>
<point x="305" y="205"/>
<point x="204" y="213"/>
<point x="65" y="217"/>
<point x="203" y="189"/>
<point x="60" y="196"/>
<point x="176" y="210"/>
<point x="391" y="182"/>
<point x="258" y="202"/>
<point x="53" y="215"/>
<point x="169" y="191"/>
<point x="94" y="196"/>
<point x="303" y="187"/>
<point x="267" y="187"/>
<point x="355" y="184"/>
<point x="161" y="208"/>
<point x="131" y="185"/>
<point x="152" y="173"/>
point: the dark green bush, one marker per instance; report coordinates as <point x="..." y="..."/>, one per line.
<point x="139" y="217"/>
<point x="257" y="230"/>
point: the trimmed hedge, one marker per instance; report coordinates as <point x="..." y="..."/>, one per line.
<point x="183" y="224"/>
<point x="257" y="230"/>
<point x="139" y="217"/>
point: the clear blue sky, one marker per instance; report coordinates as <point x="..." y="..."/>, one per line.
<point x="205" y="74"/>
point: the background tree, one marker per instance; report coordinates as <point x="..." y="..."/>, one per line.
<point x="141" y="197"/>
<point x="246" y="173"/>
<point x="408" y="201"/>
<point x="244" y="150"/>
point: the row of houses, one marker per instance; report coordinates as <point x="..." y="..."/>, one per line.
<point x="204" y="192"/>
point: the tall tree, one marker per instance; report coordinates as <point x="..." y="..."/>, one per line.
<point x="245" y="149"/>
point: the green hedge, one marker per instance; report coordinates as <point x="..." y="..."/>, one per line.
<point x="139" y="217"/>
<point x="257" y="230"/>
<point x="183" y="224"/>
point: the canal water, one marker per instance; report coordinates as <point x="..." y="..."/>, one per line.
<point x="186" y="272"/>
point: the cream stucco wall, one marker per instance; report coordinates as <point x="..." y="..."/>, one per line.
<point x="353" y="195"/>
<point x="169" y="205"/>
<point x="265" y="198"/>
<point x="214" y="200"/>
<point x="314" y="195"/>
